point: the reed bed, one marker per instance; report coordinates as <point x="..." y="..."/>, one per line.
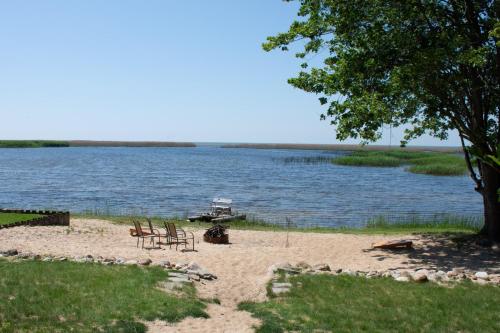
<point x="430" y="163"/>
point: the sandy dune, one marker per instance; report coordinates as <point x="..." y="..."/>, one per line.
<point x="241" y="267"/>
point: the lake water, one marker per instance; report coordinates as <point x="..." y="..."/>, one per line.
<point x="182" y="181"/>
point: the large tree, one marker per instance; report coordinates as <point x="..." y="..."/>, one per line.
<point x="430" y="65"/>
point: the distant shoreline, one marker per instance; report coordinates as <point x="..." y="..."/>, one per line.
<point x="298" y="146"/>
<point x="340" y="147"/>
<point x="88" y="143"/>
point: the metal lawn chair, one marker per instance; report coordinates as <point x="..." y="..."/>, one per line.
<point x="140" y="234"/>
<point x="178" y="236"/>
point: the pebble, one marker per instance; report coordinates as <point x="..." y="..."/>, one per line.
<point x="145" y="262"/>
<point x="322" y="267"/>
<point x="402" y="279"/>
<point x="9" y="253"/>
<point x="481" y="275"/>
<point x="120" y="261"/>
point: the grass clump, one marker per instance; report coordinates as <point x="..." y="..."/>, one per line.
<point x="32" y="143"/>
<point x="455" y="224"/>
<point x="325" y="303"/>
<point x="374" y="161"/>
<point x="7" y="218"/>
<point x="438" y="169"/>
<point x="66" y="296"/>
<point x="431" y="163"/>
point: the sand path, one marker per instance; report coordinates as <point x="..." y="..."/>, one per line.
<point x="241" y="267"/>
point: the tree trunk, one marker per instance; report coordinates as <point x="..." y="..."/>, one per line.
<point x="491" y="181"/>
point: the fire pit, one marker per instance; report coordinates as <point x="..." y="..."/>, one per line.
<point x="216" y="235"/>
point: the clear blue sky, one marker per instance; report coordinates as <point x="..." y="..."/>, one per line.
<point x="153" y="70"/>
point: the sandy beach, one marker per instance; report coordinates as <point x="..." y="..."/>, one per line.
<point x="242" y="267"/>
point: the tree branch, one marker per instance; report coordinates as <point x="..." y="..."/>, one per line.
<point x="472" y="173"/>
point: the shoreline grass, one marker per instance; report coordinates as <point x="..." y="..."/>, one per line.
<point x="377" y="225"/>
<point x="40" y="296"/>
<point x="430" y="163"/>
<point x="7" y="218"/>
<point x="326" y="303"/>
<point x="32" y="143"/>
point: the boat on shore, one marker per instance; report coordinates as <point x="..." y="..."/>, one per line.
<point x="220" y="211"/>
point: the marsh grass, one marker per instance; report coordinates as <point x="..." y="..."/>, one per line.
<point x="306" y="160"/>
<point x="431" y="163"/>
<point x="325" y="303"/>
<point x="66" y="296"/>
<point x="32" y="143"/>
<point x="377" y="225"/>
<point x="7" y="218"/>
<point x="426" y="225"/>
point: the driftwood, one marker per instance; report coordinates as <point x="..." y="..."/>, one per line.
<point x="394" y="244"/>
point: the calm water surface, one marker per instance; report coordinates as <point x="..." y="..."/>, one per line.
<point x="181" y="181"/>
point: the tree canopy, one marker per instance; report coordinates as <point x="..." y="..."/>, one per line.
<point x="432" y="65"/>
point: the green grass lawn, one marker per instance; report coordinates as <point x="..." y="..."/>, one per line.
<point x="6" y="218"/>
<point x="380" y="225"/>
<point x="66" y="296"/>
<point x="323" y="303"/>
<point x="431" y="163"/>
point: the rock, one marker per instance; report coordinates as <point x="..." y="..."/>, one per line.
<point x="278" y="291"/>
<point x="108" y="261"/>
<point x="47" y="259"/>
<point x="402" y="279"/>
<point x="192" y="266"/>
<point x="407" y="274"/>
<point x="349" y="272"/>
<point x="177" y="274"/>
<point x="481" y="275"/>
<point x="131" y="262"/>
<point x="438" y="276"/>
<point x="303" y="265"/>
<point x="180" y="265"/>
<point x="279" y="266"/>
<point x="282" y="285"/>
<point x="421" y="275"/>
<point x="179" y="279"/>
<point x="120" y="261"/>
<point x="61" y="259"/>
<point x="194" y="277"/>
<point x="322" y="268"/>
<point x="145" y="262"/>
<point x="9" y="253"/>
<point x="78" y="258"/>
<point x="165" y="263"/>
